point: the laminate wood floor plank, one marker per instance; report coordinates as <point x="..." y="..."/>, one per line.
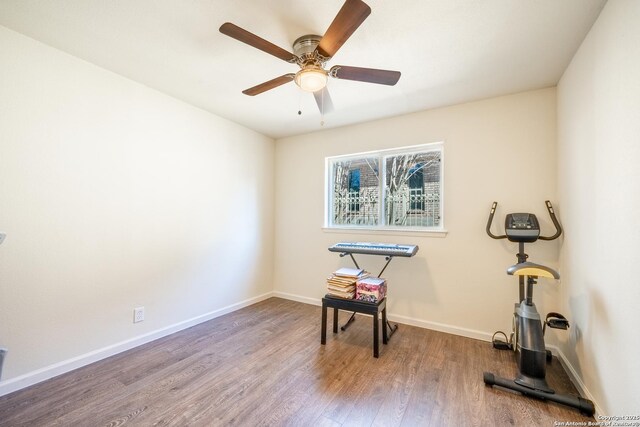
<point x="239" y="409"/>
<point x="222" y="394"/>
<point x="362" y="376"/>
<point x="264" y="365"/>
<point x="154" y="394"/>
<point x="216" y="409"/>
<point x="367" y="404"/>
<point x="323" y="375"/>
<point x="324" y="378"/>
<point x="396" y="401"/>
<point x="181" y="375"/>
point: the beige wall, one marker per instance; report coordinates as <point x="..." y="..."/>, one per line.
<point x="599" y="193"/>
<point x="499" y="149"/>
<point x="114" y="196"/>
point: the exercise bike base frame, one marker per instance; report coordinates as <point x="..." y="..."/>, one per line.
<point x="585" y="406"/>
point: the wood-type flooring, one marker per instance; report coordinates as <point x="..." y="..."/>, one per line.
<point x="264" y="365"/>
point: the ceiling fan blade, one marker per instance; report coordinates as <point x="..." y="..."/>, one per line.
<point x="323" y="99"/>
<point x="351" y="15"/>
<point x="251" y="39"/>
<point x="263" y="87"/>
<point x="369" y="75"/>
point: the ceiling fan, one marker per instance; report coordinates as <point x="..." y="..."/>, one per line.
<point x="312" y="52"/>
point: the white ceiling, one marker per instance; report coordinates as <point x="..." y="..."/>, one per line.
<point x="449" y="51"/>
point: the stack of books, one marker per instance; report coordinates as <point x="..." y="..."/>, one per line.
<point x="371" y="289"/>
<point x="342" y="283"/>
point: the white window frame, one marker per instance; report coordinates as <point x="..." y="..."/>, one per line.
<point x="381" y="156"/>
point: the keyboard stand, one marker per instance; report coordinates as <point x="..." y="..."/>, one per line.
<point x="392" y="328"/>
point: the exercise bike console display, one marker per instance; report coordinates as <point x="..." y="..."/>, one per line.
<point x="522" y="227"/>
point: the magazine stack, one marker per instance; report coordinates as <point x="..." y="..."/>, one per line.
<point x="342" y="283"/>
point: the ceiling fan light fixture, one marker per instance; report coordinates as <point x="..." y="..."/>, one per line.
<point x="311" y="79"/>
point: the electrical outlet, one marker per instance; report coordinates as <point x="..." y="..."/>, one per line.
<point x="2" y="236"/>
<point x="138" y="314"/>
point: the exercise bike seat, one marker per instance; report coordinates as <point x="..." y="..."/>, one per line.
<point x="531" y="269"/>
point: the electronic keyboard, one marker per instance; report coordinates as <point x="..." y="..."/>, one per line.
<point x="386" y="249"/>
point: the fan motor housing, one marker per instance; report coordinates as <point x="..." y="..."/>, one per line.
<point x="305" y="48"/>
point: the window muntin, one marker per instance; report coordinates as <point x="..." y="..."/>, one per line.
<point x="411" y="189"/>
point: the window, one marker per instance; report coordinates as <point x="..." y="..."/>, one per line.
<point x="407" y="197"/>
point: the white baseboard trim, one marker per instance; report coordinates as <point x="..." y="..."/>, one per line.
<point x="298" y="298"/>
<point x="575" y="379"/>
<point x="435" y="326"/>
<point x="468" y="333"/>
<point x="39" y="375"/>
<point x="441" y="327"/>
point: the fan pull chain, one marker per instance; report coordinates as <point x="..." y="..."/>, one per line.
<point x="299" y="103"/>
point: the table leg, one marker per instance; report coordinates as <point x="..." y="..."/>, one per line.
<point x="335" y="320"/>
<point x="375" y="335"/>
<point x="385" y="338"/>
<point x="323" y="332"/>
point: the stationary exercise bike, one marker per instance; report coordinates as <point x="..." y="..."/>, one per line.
<point x="527" y="337"/>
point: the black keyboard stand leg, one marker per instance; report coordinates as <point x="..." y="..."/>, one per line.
<point x="352" y="258"/>
<point x="392" y="329"/>
<point x="385" y="324"/>
<point x="388" y="259"/>
<point x="351" y="319"/>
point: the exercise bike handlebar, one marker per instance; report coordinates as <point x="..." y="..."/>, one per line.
<point x="491" y="213"/>
<point x="556" y="224"/>
<point x="552" y="215"/>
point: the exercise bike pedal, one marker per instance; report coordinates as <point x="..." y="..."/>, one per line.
<point x="558" y="324"/>
<point x="556" y="321"/>
<point x="500" y="344"/>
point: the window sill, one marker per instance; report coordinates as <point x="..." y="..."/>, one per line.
<point x="380" y="231"/>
